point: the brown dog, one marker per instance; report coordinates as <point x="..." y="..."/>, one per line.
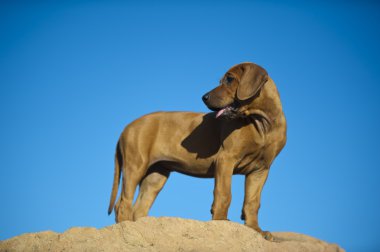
<point x="243" y="136"/>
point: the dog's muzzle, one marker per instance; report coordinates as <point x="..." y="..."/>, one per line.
<point x="228" y="111"/>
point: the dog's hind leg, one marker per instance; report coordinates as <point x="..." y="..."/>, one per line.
<point x="150" y="186"/>
<point x="131" y="178"/>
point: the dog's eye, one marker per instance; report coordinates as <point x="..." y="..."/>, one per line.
<point x="229" y="79"/>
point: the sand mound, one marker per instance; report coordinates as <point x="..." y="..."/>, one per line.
<point x="165" y="234"/>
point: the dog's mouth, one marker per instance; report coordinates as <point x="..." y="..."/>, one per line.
<point x="224" y="111"/>
<point x="229" y="111"/>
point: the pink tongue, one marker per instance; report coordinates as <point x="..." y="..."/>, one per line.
<point x="220" y="112"/>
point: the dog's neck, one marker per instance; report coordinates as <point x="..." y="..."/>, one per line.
<point x="260" y="120"/>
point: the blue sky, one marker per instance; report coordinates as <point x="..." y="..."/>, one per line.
<point x="73" y="74"/>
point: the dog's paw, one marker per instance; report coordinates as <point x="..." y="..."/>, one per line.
<point x="267" y="235"/>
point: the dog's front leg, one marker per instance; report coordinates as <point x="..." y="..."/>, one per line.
<point x="254" y="183"/>
<point x="222" y="190"/>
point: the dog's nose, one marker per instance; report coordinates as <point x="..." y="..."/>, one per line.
<point x="205" y="97"/>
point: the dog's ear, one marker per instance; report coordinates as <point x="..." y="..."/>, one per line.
<point x="252" y="79"/>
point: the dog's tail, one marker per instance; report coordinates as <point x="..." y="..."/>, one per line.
<point x="116" y="178"/>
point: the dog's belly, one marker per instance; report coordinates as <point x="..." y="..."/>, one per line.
<point x="195" y="170"/>
<point x="206" y="168"/>
<point x="192" y="167"/>
<point x="189" y="164"/>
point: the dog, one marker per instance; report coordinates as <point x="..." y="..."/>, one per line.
<point x="243" y="135"/>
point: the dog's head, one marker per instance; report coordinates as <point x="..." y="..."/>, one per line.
<point x="241" y="84"/>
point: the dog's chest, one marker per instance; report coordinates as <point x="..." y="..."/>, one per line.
<point x="247" y="147"/>
<point x="249" y="163"/>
